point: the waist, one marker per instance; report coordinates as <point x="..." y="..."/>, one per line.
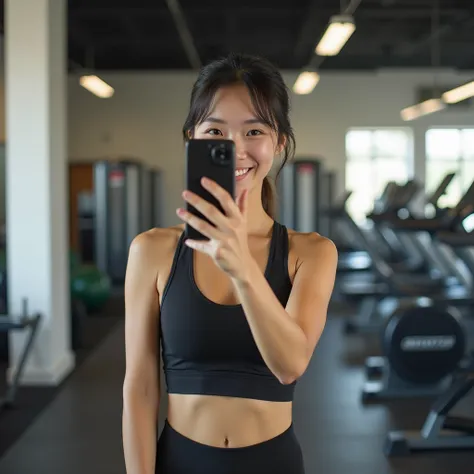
<point x="227" y="422"/>
<point x="228" y="384"/>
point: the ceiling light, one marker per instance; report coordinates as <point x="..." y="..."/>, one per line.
<point x="339" y="30"/>
<point x="459" y="93"/>
<point x="97" y="86"/>
<point x="306" y="82"/>
<point x="432" y="105"/>
<point x="424" y="108"/>
<point x="410" y="113"/>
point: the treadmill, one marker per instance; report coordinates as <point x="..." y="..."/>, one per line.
<point x="442" y="431"/>
<point x="349" y="258"/>
<point x="393" y="198"/>
<point x="390" y="283"/>
<point x="422" y="257"/>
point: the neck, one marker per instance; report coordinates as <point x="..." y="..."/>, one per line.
<point x="258" y="221"/>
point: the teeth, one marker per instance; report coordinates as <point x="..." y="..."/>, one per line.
<point x="241" y="172"/>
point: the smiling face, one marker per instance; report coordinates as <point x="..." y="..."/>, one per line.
<point x="232" y="116"/>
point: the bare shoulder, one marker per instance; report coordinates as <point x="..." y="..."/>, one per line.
<point x="311" y="246"/>
<point x="155" y="244"/>
<point x="151" y="253"/>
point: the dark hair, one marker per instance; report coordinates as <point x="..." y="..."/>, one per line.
<point x="269" y="95"/>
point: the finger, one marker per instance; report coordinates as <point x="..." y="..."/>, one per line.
<point x="227" y="202"/>
<point x="199" y="224"/>
<point x="211" y="248"/>
<point x="200" y="246"/>
<point x="206" y="209"/>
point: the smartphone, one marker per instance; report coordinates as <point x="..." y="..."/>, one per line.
<point x="213" y="159"/>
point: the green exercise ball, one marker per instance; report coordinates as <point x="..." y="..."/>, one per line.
<point x="74" y="261"/>
<point x="90" y="286"/>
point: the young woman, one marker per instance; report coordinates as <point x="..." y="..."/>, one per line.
<point x="238" y="316"/>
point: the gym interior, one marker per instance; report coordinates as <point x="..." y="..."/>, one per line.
<point x="93" y="98"/>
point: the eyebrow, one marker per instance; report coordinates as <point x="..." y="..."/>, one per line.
<point x="217" y="120"/>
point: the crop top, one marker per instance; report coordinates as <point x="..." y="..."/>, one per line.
<point x="208" y="348"/>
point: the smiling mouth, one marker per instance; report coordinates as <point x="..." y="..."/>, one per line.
<point x="241" y="172"/>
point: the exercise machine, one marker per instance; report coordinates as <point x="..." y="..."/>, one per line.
<point x="301" y="193"/>
<point x="119" y="197"/>
<point x="390" y="282"/>
<point x="424" y="341"/>
<point x="423" y="347"/>
<point x="442" y="431"/>
<point x="351" y="258"/>
<point x="23" y="322"/>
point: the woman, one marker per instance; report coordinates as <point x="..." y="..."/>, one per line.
<point x="238" y="316"/>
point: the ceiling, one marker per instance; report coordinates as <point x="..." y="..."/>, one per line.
<point x="143" y="34"/>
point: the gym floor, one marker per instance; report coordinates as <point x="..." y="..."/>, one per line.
<point x="80" y="430"/>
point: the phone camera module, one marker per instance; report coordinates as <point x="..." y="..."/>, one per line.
<point x="219" y="154"/>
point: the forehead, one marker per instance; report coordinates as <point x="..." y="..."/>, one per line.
<point x="232" y="99"/>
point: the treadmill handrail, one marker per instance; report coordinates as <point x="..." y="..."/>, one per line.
<point x="440" y="190"/>
<point x="456" y="239"/>
<point x="379" y="265"/>
<point x="445" y="222"/>
<point x="422" y="225"/>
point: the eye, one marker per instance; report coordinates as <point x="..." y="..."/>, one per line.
<point x="255" y="132"/>
<point x="213" y="131"/>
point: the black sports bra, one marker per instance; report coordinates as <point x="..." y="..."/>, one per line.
<point x="208" y="348"/>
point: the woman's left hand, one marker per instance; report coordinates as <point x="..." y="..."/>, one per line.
<point x="228" y="241"/>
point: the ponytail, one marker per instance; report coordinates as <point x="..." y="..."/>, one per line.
<point x="268" y="197"/>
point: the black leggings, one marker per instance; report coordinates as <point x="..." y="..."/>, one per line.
<point x="177" y="454"/>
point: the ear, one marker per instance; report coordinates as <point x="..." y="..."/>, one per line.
<point x="281" y="144"/>
<point x="190" y="134"/>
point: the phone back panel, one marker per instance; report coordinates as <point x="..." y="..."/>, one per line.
<point x="201" y="163"/>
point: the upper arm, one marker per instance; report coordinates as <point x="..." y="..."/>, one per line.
<point x="141" y="318"/>
<point x="312" y="286"/>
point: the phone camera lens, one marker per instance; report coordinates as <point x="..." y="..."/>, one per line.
<point x="218" y="154"/>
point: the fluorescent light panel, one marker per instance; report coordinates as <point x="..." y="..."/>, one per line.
<point x="459" y="93"/>
<point x="97" y="86"/>
<point x="306" y="82"/>
<point x="424" y="108"/>
<point x="338" y="32"/>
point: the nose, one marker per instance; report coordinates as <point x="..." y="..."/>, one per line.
<point x="240" y="149"/>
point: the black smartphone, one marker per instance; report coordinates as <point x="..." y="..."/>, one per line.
<point x="213" y="159"/>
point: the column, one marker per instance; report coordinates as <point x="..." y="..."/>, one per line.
<point x="36" y="184"/>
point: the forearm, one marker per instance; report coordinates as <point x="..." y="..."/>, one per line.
<point x="139" y="425"/>
<point x="281" y="342"/>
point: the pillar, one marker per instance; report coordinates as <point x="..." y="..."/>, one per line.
<point x="36" y="184"/>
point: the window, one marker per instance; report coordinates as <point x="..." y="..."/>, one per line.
<point x="374" y="157"/>
<point x="450" y="150"/>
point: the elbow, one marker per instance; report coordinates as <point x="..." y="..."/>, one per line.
<point x="295" y="371"/>
<point x="287" y="380"/>
<point x="292" y="376"/>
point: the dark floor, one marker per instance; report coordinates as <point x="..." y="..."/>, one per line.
<point x="80" y="430"/>
<point x="31" y="401"/>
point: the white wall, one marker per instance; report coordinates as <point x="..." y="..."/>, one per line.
<point x="145" y="116"/>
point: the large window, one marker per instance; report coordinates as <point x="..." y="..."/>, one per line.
<point x="450" y="150"/>
<point x="374" y="157"/>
